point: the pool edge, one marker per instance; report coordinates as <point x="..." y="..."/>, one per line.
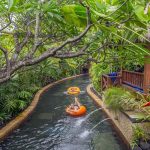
<point x="21" y="117"/>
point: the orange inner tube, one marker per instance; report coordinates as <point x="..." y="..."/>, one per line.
<point x="73" y="90"/>
<point x="79" y="112"/>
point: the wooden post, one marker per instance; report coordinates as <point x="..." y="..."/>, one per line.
<point x="146" y="85"/>
<point x="109" y="82"/>
<point x="120" y="74"/>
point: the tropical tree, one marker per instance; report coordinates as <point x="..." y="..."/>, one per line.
<point x="123" y="28"/>
<point x="34" y="31"/>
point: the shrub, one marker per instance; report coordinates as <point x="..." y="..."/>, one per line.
<point x="118" y="98"/>
<point x="138" y="134"/>
<point x="96" y="72"/>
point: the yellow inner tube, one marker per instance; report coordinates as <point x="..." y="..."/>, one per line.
<point x="73" y="90"/>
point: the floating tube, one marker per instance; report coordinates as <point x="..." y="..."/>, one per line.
<point x="73" y="91"/>
<point x="79" y="112"/>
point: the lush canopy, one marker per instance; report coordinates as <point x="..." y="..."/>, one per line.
<point x="103" y="30"/>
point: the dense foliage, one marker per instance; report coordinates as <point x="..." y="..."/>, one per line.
<point x="104" y="30"/>
<point x="96" y="72"/>
<point x="29" y="32"/>
<point x="138" y="135"/>
<point x="118" y="98"/>
<point x="121" y="35"/>
<point x="17" y="93"/>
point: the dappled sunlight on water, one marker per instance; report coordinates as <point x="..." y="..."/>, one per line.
<point x="84" y="134"/>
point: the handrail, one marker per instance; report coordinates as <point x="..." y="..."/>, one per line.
<point x="133" y="78"/>
<point x="139" y="73"/>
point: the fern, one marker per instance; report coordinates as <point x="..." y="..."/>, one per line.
<point x="24" y="95"/>
<point x="10" y="105"/>
<point x="4" y="116"/>
<point x="21" y="104"/>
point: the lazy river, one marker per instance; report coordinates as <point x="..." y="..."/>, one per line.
<point x="50" y="128"/>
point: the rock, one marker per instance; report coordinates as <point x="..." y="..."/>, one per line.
<point x="144" y="145"/>
<point x="137" y="148"/>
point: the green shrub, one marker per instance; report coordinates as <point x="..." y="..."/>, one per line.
<point x="138" y="134"/>
<point x="4" y="116"/>
<point x="96" y="72"/>
<point x="118" y="98"/>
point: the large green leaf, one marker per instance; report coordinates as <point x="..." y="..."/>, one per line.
<point x="11" y="4"/>
<point x="139" y="11"/>
<point x="75" y="15"/>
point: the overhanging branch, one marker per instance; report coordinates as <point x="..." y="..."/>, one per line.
<point x="6" y="24"/>
<point x="8" y="70"/>
<point x="5" y="51"/>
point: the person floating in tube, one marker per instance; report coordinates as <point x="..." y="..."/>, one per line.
<point x="76" y="104"/>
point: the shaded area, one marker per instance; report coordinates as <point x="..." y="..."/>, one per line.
<point x="50" y="128"/>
